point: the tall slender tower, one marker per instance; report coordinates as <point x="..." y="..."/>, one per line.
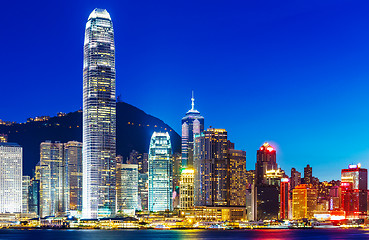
<point x="99" y="116"/>
<point x="192" y="123"/>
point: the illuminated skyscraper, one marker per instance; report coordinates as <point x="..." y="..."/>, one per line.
<point x="237" y="177"/>
<point x="99" y="116"/>
<point x="308" y="175"/>
<point x="192" y="123"/>
<point x="295" y="178"/>
<point x="354" y="188"/>
<point x="160" y="172"/>
<point x="284" y="198"/>
<point x="265" y="160"/>
<point x="127" y="188"/>
<point x="211" y="168"/>
<point x="10" y="178"/>
<point x="73" y="176"/>
<point x="25" y="193"/>
<point x="304" y="201"/>
<point x="52" y="200"/>
<point x="186" y="190"/>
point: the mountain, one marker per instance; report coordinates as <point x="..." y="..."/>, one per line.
<point x="134" y="130"/>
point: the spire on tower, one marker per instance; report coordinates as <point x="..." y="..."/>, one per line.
<point x="193" y="102"/>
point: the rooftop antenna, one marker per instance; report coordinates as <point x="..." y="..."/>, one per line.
<point x="193" y="102"/>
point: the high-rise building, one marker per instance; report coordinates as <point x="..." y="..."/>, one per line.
<point x="265" y="160"/>
<point x="177" y="168"/>
<point x="308" y="175"/>
<point x="25" y="193"/>
<point x="211" y="168"/>
<point x="354" y="188"/>
<point x="143" y="191"/>
<point x="99" y="116"/>
<point x="186" y="189"/>
<point x="304" y="201"/>
<point x="127" y="188"/>
<point x="237" y="177"/>
<point x="284" y="198"/>
<point x="34" y="191"/>
<point x="295" y="178"/>
<point x="160" y="172"/>
<point x="192" y="123"/>
<point x="52" y="200"/>
<point x="73" y="176"/>
<point x="11" y="160"/>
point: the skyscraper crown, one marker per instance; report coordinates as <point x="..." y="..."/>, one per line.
<point x="99" y="13"/>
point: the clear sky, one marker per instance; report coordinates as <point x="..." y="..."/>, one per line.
<point x="294" y="73"/>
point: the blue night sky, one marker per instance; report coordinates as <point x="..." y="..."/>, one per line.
<point x="294" y="73"/>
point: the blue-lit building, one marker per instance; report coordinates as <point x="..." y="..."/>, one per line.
<point x="160" y="173"/>
<point x="192" y="123"/>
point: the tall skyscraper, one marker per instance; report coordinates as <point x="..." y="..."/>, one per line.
<point x="354" y="188"/>
<point x="308" y="175"/>
<point x="11" y="160"/>
<point x="52" y="200"/>
<point x="25" y="193"/>
<point x="192" y="123"/>
<point x="265" y="160"/>
<point x="237" y="177"/>
<point x="284" y="198"/>
<point x="160" y="172"/>
<point x="73" y="176"/>
<point x="99" y="116"/>
<point x="211" y="168"/>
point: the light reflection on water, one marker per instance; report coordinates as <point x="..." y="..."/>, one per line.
<point x="286" y="234"/>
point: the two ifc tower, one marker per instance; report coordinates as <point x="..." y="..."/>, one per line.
<point x="99" y="118"/>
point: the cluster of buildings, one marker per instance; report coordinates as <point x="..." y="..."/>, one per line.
<point x="207" y="181"/>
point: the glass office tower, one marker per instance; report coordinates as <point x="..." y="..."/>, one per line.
<point x="11" y="158"/>
<point x="99" y="116"/>
<point x="160" y="173"/>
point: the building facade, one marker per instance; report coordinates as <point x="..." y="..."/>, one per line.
<point x="265" y="160"/>
<point x="25" y="193"/>
<point x="160" y="173"/>
<point x="52" y="198"/>
<point x="295" y="179"/>
<point x="73" y="176"/>
<point x="211" y="168"/>
<point x="127" y="188"/>
<point x="304" y="201"/>
<point x="11" y="163"/>
<point x="354" y="191"/>
<point x="237" y="177"/>
<point x="187" y="188"/>
<point x="99" y="116"/>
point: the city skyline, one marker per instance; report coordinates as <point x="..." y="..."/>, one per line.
<point x="324" y="109"/>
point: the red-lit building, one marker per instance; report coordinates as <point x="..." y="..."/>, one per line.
<point x="354" y="191"/>
<point x="284" y="198"/>
<point x="265" y="160"/>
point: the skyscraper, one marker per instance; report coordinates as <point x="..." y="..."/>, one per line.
<point x="25" y="193"/>
<point x="304" y="201"/>
<point x="211" y="168"/>
<point x="237" y="177"/>
<point x="99" y="116"/>
<point x="11" y="159"/>
<point x="127" y="188"/>
<point x="52" y="200"/>
<point x="354" y="188"/>
<point x="295" y="178"/>
<point x="73" y="175"/>
<point x="160" y="172"/>
<point x="308" y="175"/>
<point x="192" y="123"/>
<point x="284" y="198"/>
<point x="265" y="160"/>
